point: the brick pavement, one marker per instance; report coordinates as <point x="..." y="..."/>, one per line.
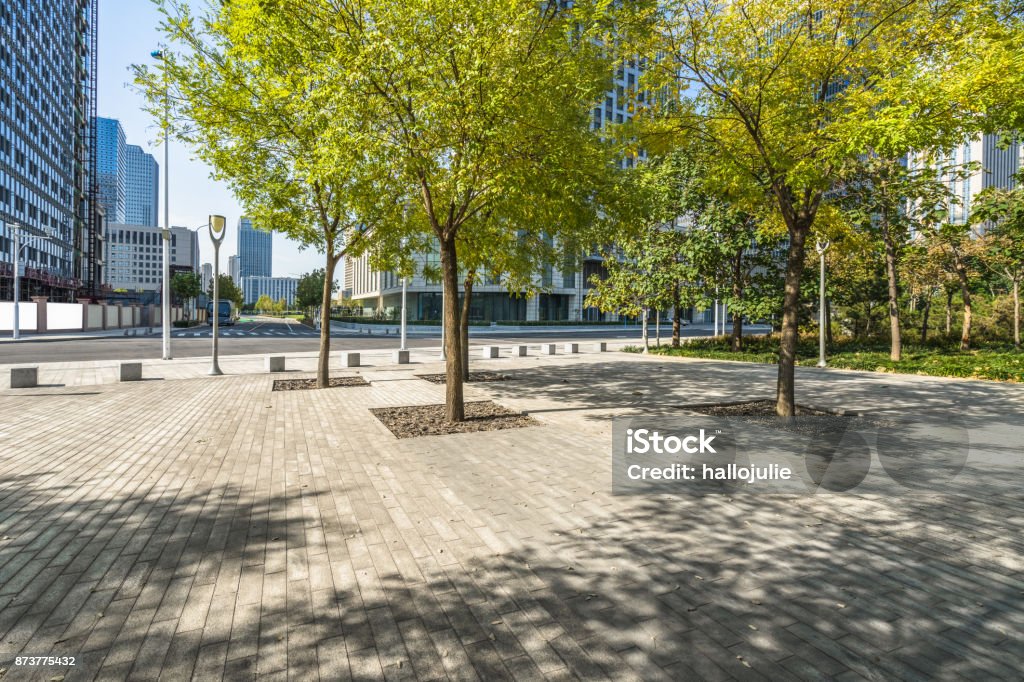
<point x="207" y="527"/>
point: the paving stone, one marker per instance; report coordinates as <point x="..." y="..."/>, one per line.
<point x="239" y="532"/>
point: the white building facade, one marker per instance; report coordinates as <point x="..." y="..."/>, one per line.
<point x="275" y="287"/>
<point x="134" y="255"/>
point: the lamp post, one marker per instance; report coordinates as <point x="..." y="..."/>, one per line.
<point x="405" y="281"/>
<point x="821" y="247"/>
<point x="218" y="228"/>
<point x="165" y="308"/>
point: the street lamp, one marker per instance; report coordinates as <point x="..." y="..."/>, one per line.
<point x="16" y="231"/>
<point x="165" y="308"/>
<point x="821" y="247"/>
<point x="405" y="281"/>
<point x="218" y="228"/>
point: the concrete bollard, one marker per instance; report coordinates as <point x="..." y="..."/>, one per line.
<point x="24" y="377"/>
<point x="601" y="347"/>
<point x="572" y="348"/>
<point x="351" y="359"/>
<point x="521" y="351"/>
<point x="489" y="352"/>
<point x="274" y="363"/>
<point x="130" y="371"/>
<point x="400" y="357"/>
<point x="549" y="348"/>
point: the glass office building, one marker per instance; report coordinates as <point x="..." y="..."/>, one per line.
<point x="47" y="168"/>
<point x="255" y="249"/>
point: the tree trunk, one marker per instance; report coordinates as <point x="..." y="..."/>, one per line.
<point x="677" y="311"/>
<point x="455" y="408"/>
<point x="1016" y="313"/>
<point x="896" y="343"/>
<point x="949" y="312"/>
<point x="927" y="308"/>
<point x="464" y="322"/>
<point x="785" y="399"/>
<point x="647" y="345"/>
<point x="737" y="293"/>
<point x="965" y="293"/>
<point x="323" y="364"/>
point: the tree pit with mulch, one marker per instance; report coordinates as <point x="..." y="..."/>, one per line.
<point x="474" y="377"/>
<point x="412" y="421"/>
<point x="307" y="384"/>
<point x="762" y="412"/>
<point x="753" y="408"/>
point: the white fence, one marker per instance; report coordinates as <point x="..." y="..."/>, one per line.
<point x="42" y="316"/>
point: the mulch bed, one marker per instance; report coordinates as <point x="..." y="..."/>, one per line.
<point x="762" y="412"/>
<point x="429" y="420"/>
<point x="753" y="408"/>
<point x="474" y="377"/>
<point x="307" y="384"/>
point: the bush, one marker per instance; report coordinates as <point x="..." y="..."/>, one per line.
<point x="185" y="323"/>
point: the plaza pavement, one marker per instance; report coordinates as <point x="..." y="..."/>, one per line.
<point x="198" y="527"/>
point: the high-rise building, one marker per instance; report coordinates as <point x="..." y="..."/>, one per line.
<point x="135" y="255"/>
<point x="275" y="287"/>
<point x="255" y="248"/>
<point x="128" y="177"/>
<point x="47" y="164"/>
<point x="233" y="270"/>
<point x="142" y="196"/>
<point x="207" y="276"/>
<point x="112" y="168"/>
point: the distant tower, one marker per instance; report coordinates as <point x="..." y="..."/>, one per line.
<point x="255" y="249"/>
<point x="142" y="197"/>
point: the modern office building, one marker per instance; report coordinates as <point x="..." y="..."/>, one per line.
<point x="997" y="164"/>
<point x="206" y="279"/>
<point x="255" y="250"/>
<point x="135" y="255"/>
<point x="142" y="196"/>
<point x="128" y="177"/>
<point x="233" y="270"/>
<point x="47" y="144"/>
<point x="275" y="287"/>
<point x="112" y="168"/>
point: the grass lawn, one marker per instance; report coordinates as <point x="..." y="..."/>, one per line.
<point x="994" y="362"/>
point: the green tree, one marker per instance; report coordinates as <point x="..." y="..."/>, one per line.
<point x="789" y="92"/>
<point x="250" y="89"/>
<point x="186" y="286"/>
<point x="264" y="304"/>
<point x="309" y="292"/>
<point x="474" y="104"/>
<point x="1000" y="214"/>
<point x="227" y="290"/>
<point x="891" y="200"/>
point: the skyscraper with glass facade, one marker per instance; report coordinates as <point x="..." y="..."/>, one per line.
<point x="255" y="249"/>
<point x="112" y="168"/>
<point x="128" y="177"/>
<point x="142" y="196"/>
<point x="47" y="164"/>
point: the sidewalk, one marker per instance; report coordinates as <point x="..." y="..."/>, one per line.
<point x="96" y="372"/>
<point x="70" y="336"/>
<point x="208" y="528"/>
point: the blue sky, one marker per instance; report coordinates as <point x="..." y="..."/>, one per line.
<point x="127" y="34"/>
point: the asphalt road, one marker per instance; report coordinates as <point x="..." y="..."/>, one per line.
<point x="270" y="337"/>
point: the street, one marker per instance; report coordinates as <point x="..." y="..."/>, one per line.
<point x="282" y="337"/>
